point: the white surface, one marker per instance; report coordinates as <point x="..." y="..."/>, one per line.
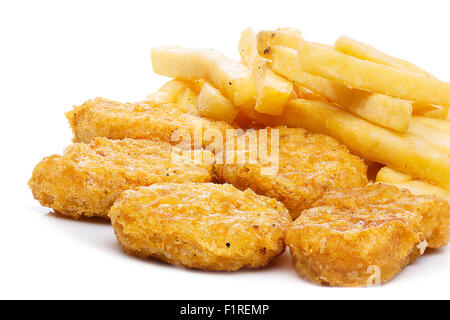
<point x="54" y="54"/>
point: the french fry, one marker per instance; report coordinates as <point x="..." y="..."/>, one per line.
<point x="379" y="109"/>
<point x="183" y="94"/>
<point x="187" y="100"/>
<point x="282" y="37"/>
<point x="363" y="51"/>
<point x="439" y="113"/>
<point x="233" y="79"/>
<point x="387" y="174"/>
<point x="370" y="76"/>
<point x="419" y="187"/>
<point x="293" y="31"/>
<point x="436" y="124"/>
<point x="430" y="110"/>
<point x="168" y="93"/>
<point x="401" y="151"/>
<point x="212" y="104"/>
<point x="433" y="136"/>
<point x="304" y="93"/>
<point x="272" y="91"/>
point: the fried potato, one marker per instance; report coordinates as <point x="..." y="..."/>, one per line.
<point x="363" y="51"/>
<point x="403" y="152"/>
<point x="87" y="179"/>
<point x="379" y="109"/>
<point x="282" y="37"/>
<point x="233" y="79"/>
<point x="212" y="104"/>
<point x="187" y="101"/>
<point x="204" y="226"/>
<point x="272" y="91"/>
<point x="419" y="187"/>
<point x="438" y="113"/>
<point x="435" y="124"/>
<point x="302" y="92"/>
<point x="306" y="166"/>
<point x="350" y="234"/>
<point x="387" y="175"/>
<point x="430" y="110"/>
<point x="168" y="93"/>
<point x="403" y="181"/>
<point x="372" y="77"/>
<point x="110" y="119"/>
<point x="183" y="94"/>
<point x="433" y="136"/>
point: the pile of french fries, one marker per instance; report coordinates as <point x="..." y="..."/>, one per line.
<point x="386" y="110"/>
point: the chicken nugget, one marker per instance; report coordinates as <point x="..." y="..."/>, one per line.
<point x="87" y="179"/>
<point x="364" y="236"/>
<point x="308" y="165"/>
<point x="200" y="225"/>
<point x="142" y="120"/>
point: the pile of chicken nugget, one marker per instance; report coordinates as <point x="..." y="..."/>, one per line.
<point x="341" y="153"/>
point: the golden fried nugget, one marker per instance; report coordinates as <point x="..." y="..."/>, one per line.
<point x="143" y="120"/>
<point x="309" y="165"/>
<point x="87" y="179"/>
<point x="354" y="236"/>
<point x="200" y="225"/>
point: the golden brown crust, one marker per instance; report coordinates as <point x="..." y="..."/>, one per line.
<point x="200" y="225"/>
<point x="309" y="165"/>
<point x="142" y="120"/>
<point x="349" y="232"/>
<point x="87" y="179"/>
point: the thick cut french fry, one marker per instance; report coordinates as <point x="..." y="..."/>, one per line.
<point x="272" y="91"/>
<point x="387" y="174"/>
<point x="187" y="100"/>
<point x="212" y="104"/>
<point x="403" y="181"/>
<point x="168" y="93"/>
<point x="182" y="93"/>
<point x="303" y="92"/>
<point x="433" y="136"/>
<point x="439" y="113"/>
<point x="419" y="187"/>
<point x="233" y="79"/>
<point x="281" y="37"/>
<point x="379" y="109"/>
<point x="363" y="51"/>
<point x="401" y="151"/>
<point x="430" y="110"/>
<point x="370" y="76"/>
<point x="293" y="31"/>
<point x="436" y="124"/>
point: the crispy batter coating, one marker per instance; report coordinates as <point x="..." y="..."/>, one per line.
<point x="88" y="178"/>
<point x="200" y="225"/>
<point x="348" y="235"/>
<point x="142" y="120"/>
<point x="309" y="165"/>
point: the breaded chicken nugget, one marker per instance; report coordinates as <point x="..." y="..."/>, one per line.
<point x="143" y="120"/>
<point x="351" y="236"/>
<point x="200" y="225"/>
<point x="309" y="165"/>
<point x="87" y="179"/>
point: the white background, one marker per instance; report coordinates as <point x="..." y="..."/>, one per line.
<point x="54" y="54"/>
